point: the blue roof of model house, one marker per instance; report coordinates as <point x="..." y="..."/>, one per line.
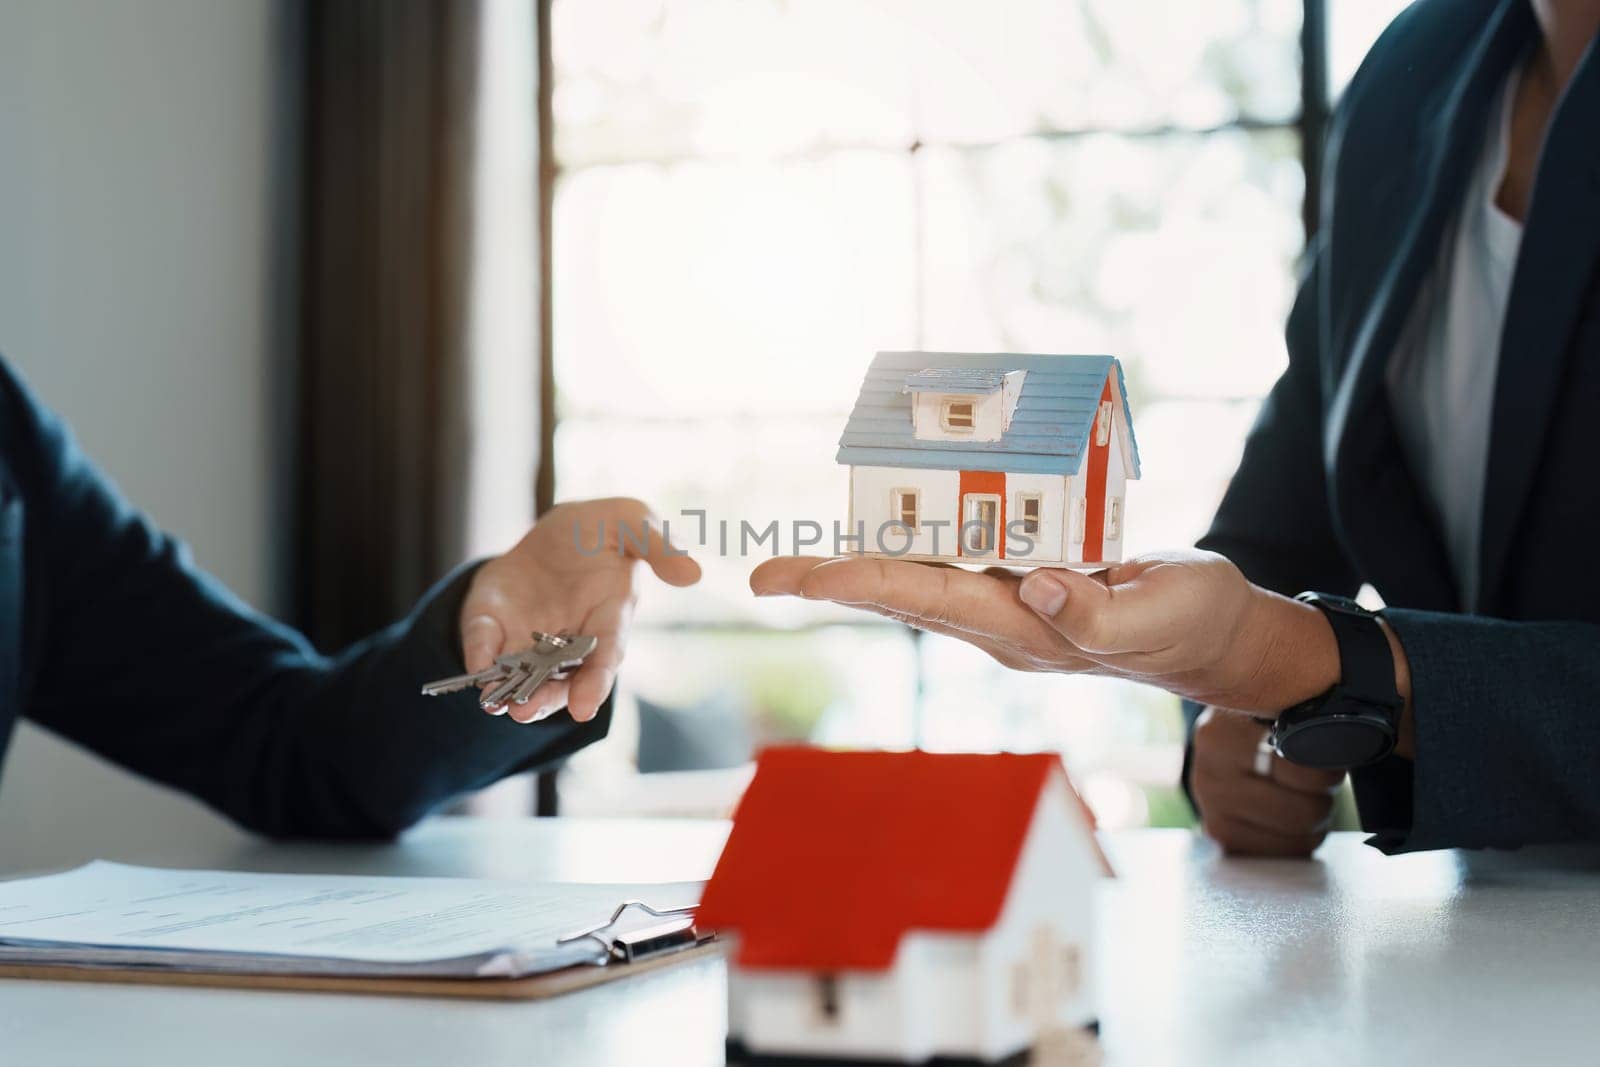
<point x="1049" y="431"/>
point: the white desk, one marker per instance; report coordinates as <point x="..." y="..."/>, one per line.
<point x="1353" y="959"/>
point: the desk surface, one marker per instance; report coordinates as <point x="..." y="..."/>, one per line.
<point x="1351" y="959"/>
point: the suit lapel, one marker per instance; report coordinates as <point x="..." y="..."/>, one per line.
<point x="1377" y="497"/>
<point x="1555" y="270"/>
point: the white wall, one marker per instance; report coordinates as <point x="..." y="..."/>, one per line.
<point x="142" y="166"/>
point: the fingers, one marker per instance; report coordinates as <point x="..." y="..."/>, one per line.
<point x="1225" y="744"/>
<point x="590" y="685"/>
<point x="671" y="565"/>
<point x="1239" y="838"/>
<point x="482" y="639"/>
<point x="1285" y="815"/>
<point x="1121" y="611"/>
<point x="975" y="604"/>
<point x="1262" y="803"/>
<point x="782" y="576"/>
<point x="1311" y="781"/>
<point x="549" y="698"/>
<point x="638" y="537"/>
<point x="980" y="609"/>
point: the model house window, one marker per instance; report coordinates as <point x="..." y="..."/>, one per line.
<point x="958" y="415"/>
<point x="1114" y="519"/>
<point x="1102" y="424"/>
<point x="1078" y="510"/>
<point x="904" y="506"/>
<point x="828" y="998"/>
<point x="1028" y="506"/>
<point x="980" y="524"/>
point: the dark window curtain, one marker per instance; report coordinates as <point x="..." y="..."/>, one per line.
<point x="382" y="383"/>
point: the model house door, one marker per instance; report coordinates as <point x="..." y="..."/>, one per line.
<point x="980" y="524"/>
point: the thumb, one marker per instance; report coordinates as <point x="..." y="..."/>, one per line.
<point x="482" y="639"/>
<point x="1078" y="606"/>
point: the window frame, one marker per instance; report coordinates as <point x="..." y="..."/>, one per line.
<point x="1025" y="498"/>
<point x="974" y="503"/>
<point x="1113" y="531"/>
<point x="1102" y="424"/>
<point x="897" y="509"/>
<point x="945" y="414"/>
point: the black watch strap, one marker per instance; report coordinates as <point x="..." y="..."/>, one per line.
<point x="1356" y="722"/>
<point x="1366" y="664"/>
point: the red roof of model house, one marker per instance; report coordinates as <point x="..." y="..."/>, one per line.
<point x="835" y="855"/>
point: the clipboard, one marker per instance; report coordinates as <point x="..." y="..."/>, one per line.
<point x="654" y="947"/>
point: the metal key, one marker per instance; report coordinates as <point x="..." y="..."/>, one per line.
<point x="515" y="676"/>
<point x="499" y="671"/>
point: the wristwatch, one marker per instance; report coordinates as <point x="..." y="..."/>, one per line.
<point x="1357" y="721"/>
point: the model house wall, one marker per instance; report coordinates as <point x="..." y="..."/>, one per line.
<point x="922" y="1005"/>
<point x="1056" y="881"/>
<point x="985" y="995"/>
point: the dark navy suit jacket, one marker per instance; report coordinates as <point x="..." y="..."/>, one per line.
<point x="112" y="638"/>
<point x="1506" y="692"/>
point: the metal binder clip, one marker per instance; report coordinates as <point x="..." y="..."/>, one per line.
<point x="675" y="931"/>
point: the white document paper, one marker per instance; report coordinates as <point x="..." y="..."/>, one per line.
<point x="109" y="914"/>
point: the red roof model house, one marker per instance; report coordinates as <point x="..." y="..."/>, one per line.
<point x="898" y="906"/>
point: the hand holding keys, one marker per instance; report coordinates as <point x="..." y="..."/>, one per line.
<point x="576" y="572"/>
<point x="514" y="677"/>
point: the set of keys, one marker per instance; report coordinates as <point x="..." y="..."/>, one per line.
<point x="513" y="678"/>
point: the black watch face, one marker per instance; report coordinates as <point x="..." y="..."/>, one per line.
<point x="1337" y="742"/>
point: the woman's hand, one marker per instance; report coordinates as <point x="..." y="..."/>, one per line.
<point x="576" y="570"/>
<point x="1188" y="622"/>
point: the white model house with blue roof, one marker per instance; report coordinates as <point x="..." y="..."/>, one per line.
<point x="964" y="457"/>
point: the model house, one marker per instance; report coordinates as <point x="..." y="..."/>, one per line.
<point x="896" y="906"/>
<point x="962" y="456"/>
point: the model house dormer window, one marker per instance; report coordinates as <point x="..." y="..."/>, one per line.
<point x="958" y="414"/>
<point x="967" y="404"/>
<point x="1102" y="424"/>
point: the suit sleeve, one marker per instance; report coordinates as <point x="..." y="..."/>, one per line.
<point x="133" y="652"/>
<point x="1506" y="736"/>
<point x="1275" y="521"/>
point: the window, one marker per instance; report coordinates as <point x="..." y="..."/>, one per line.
<point x="1114" y="519"/>
<point x="948" y="182"/>
<point x="1102" y="424"/>
<point x="1028" y="505"/>
<point x="957" y="415"/>
<point x="904" y="507"/>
